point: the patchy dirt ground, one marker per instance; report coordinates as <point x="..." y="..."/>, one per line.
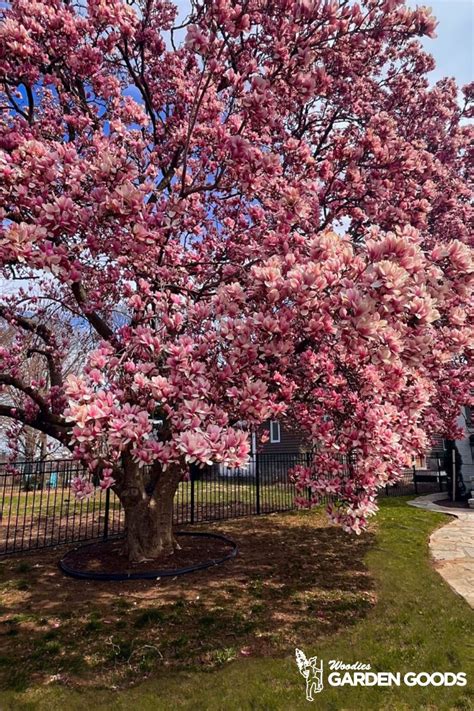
<point x="295" y="579"/>
<point x="109" y="557"/>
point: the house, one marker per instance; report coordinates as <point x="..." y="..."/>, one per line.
<point x="275" y="448"/>
<point x="280" y="445"/>
<point x="465" y="446"/>
<point x="275" y="437"/>
<point x="435" y="461"/>
<point x="282" y="438"/>
<point x="432" y="459"/>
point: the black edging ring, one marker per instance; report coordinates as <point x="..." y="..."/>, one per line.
<point x="150" y="574"/>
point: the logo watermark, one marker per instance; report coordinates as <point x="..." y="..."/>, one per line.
<point x="361" y="674"/>
<point x="312" y="672"/>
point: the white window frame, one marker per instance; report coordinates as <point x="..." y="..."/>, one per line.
<point x="254" y="444"/>
<point x="275" y="440"/>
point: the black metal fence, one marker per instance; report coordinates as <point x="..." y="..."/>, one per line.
<point x="38" y="508"/>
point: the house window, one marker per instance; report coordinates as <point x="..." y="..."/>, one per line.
<point x="469" y="416"/>
<point x="275" y="435"/>
<point x="420" y="462"/>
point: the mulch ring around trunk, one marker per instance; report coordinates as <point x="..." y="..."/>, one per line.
<point x="106" y="560"/>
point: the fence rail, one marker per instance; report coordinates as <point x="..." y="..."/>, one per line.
<point x="38" y="508"/>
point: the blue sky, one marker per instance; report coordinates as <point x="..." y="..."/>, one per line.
<point x="453" y="48"/>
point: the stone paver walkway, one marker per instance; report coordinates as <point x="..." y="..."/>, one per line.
<point x="452" y="546"/>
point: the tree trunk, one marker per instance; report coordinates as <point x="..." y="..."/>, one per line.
<point x="149" y="518"/>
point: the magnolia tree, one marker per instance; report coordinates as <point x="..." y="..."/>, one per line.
<point x="263" y="212"/>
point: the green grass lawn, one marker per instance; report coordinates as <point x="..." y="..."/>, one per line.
<point x="61" y="502"/>
<point x="45" y="502"/>
<point x="374" y="599"/>
<point x="222" y="492"/>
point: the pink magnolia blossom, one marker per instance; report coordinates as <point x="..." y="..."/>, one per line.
<point x="82" y="488"/>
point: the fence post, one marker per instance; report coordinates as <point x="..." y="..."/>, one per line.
<point x="454" y="473"/>
<point x="107" y="511"/>
<point x="414" y="476"/>
<point x="257" y="481"/>
<point x="308" y="491"/>
<point x="192" y="497"/>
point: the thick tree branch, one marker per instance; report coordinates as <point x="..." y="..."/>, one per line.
<point x="6" y="379"/>
<point x="28" y="324"/>
<point x="31" y="103"/>
<point x="55" y="426"/>
<point x="96" y="321"/>
<point x="54" y="372"/>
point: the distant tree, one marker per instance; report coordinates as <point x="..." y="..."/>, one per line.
<point x="22" y="441"/>
<point x="270" y="219"/>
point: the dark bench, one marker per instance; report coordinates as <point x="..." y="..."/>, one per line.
<point x="436" y="477"/>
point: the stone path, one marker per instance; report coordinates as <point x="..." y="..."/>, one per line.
<point x="452" y="546"/>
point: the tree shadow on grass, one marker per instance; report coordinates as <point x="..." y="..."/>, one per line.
<point x="295" y="580"/>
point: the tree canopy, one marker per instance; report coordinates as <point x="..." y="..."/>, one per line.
<point x="268" y="219"/>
